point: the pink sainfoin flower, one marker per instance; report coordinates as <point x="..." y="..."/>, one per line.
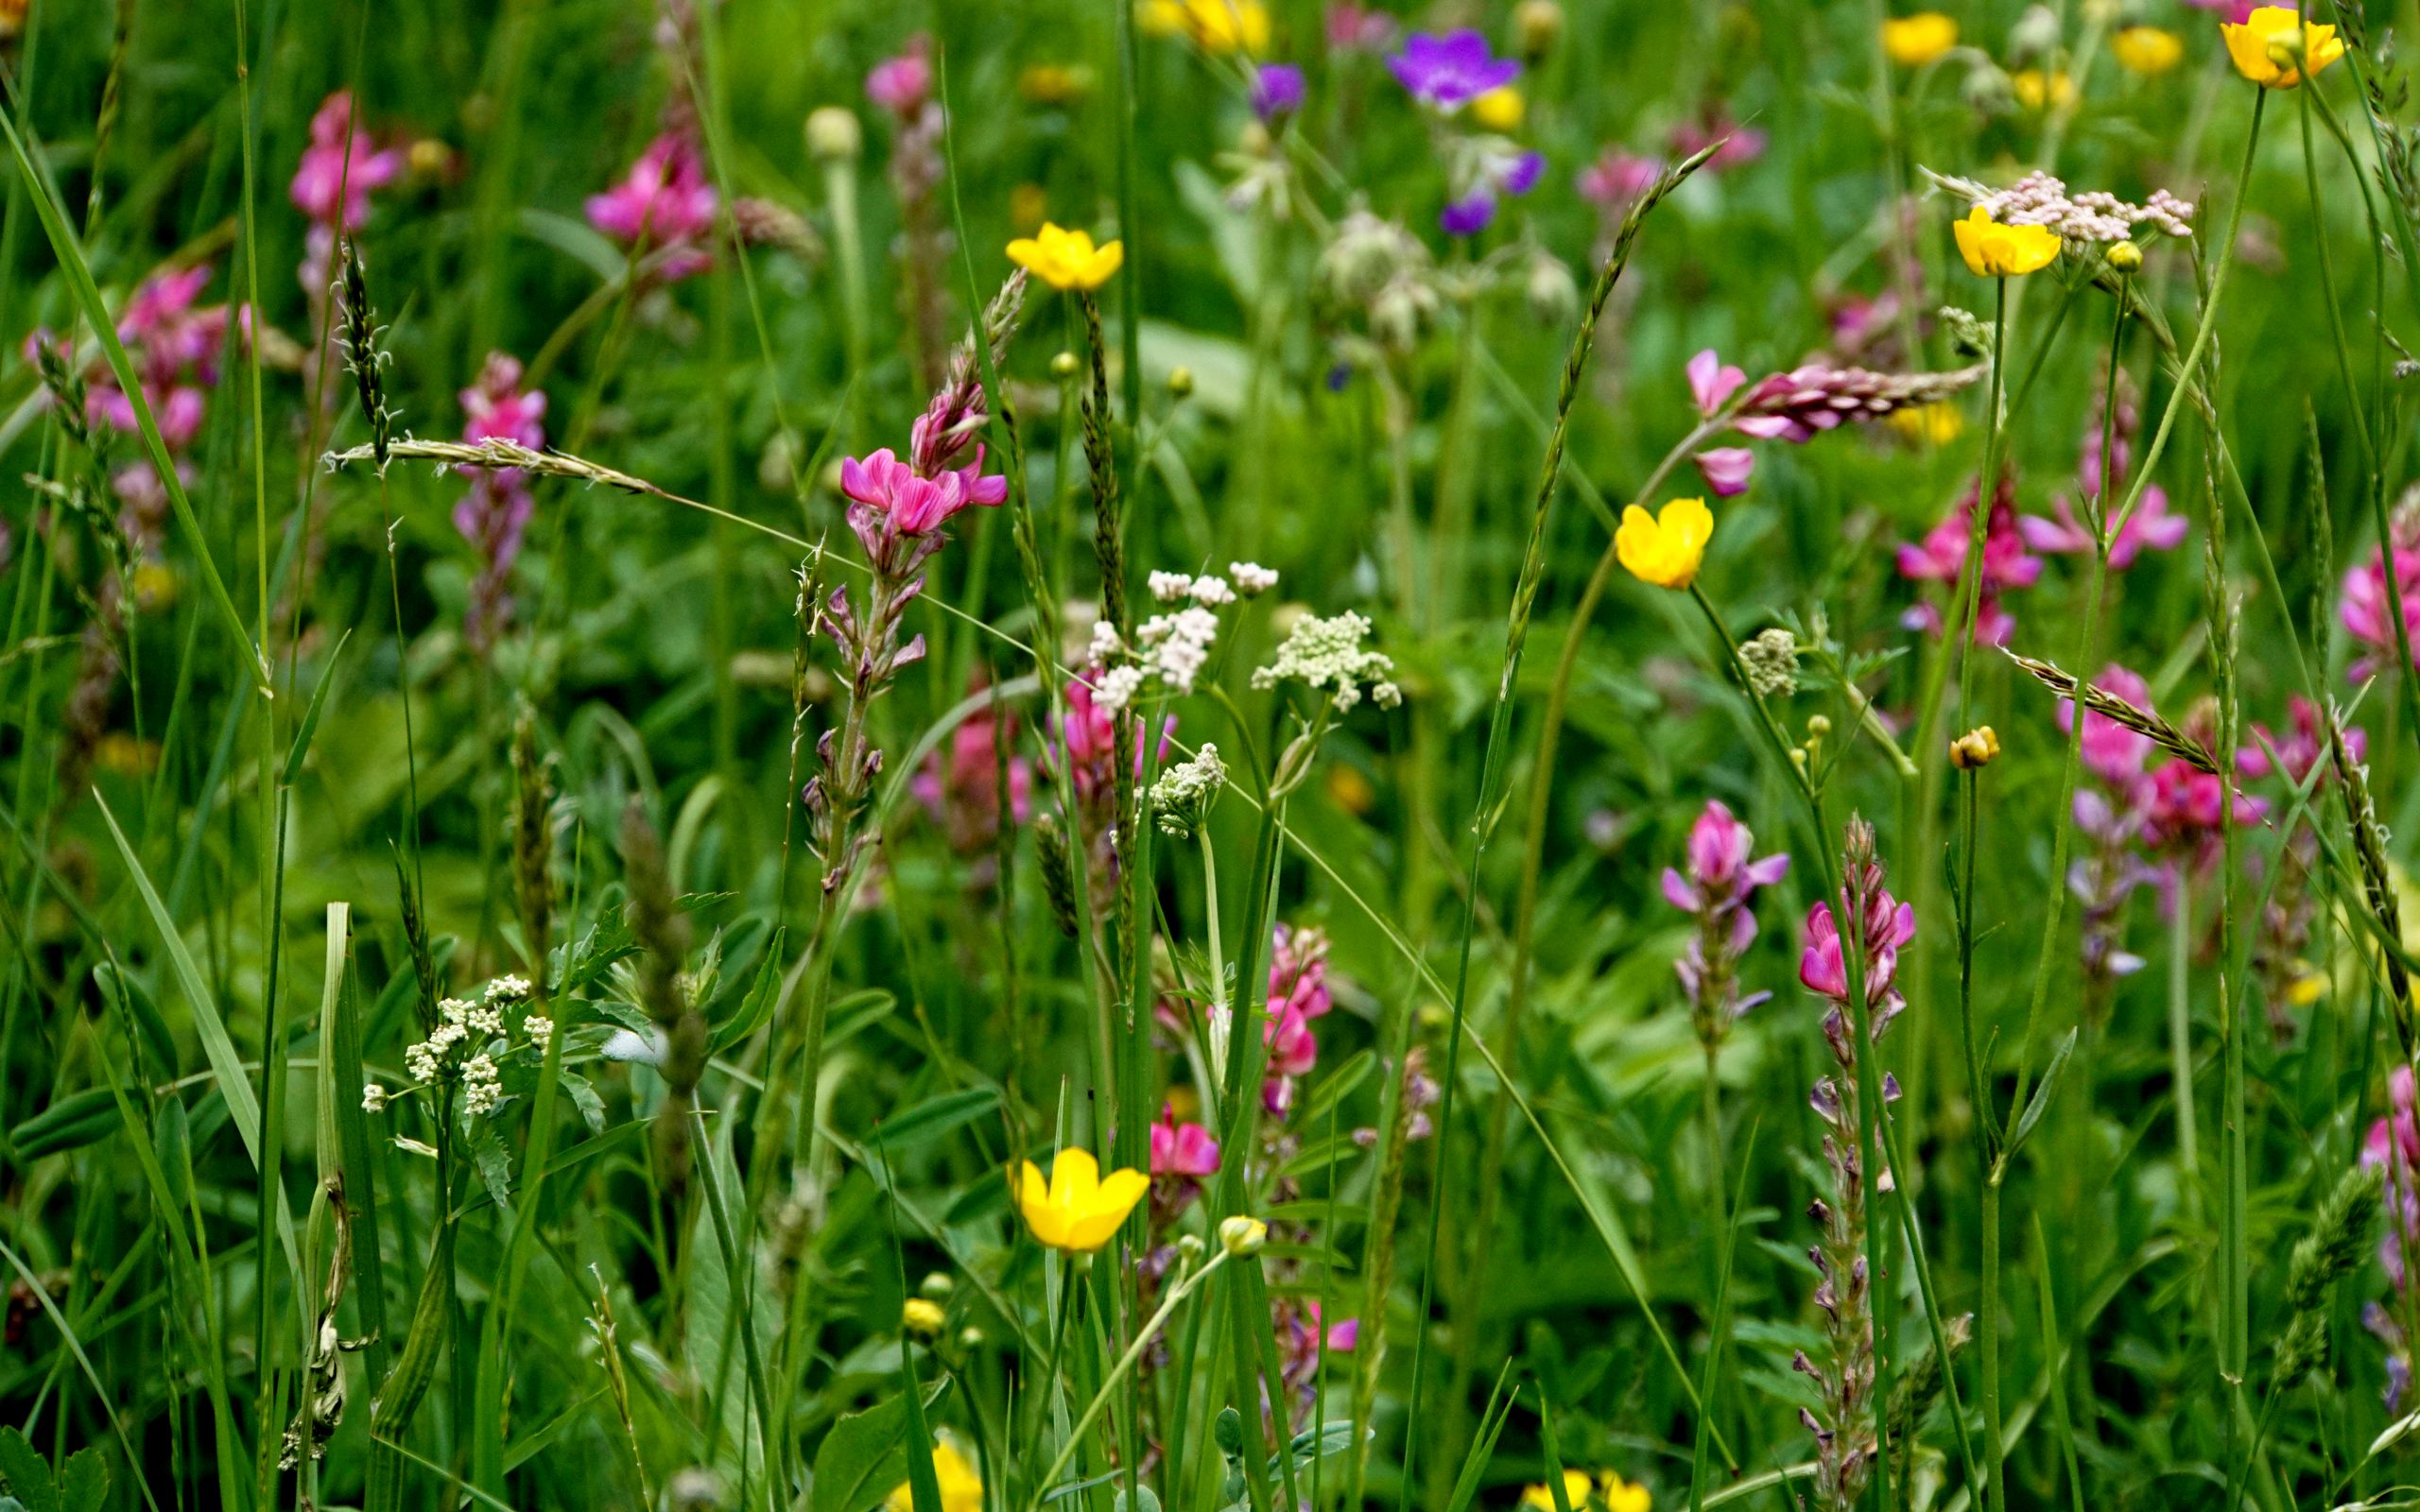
<point x="494" y="515"/>
<point x="1618" y="178"/>
<point x="1726" y="469"/>
<point x="1844" y="1429"/>
<point x="1301" y="1335"/>
<point x="2368" y="604"/>
<point x="2149" y="527"/>
<point x="2113" y="752"/>
<point x="902" y="85"/>
<point x="905" y="503"/>
<point x="1720" y="890"/>
<point x="1741" y="145"/>
<point x="961" y="787"/>
<point x="1712" y="382"/>
<point x="341" y="167"/>
<point x="1298" y="996"/>
<point x="1182" y="1149"/>
<point x="664" y="205"/>
<point x="2186" y="814"/>
<point x="1888" y="925"/>
<point x="1358" y="29"/>
<point x="2394" y="1146"/>
<point x="1941" y="558"/>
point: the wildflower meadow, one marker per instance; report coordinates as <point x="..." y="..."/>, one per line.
<point x="1209" y="756"/>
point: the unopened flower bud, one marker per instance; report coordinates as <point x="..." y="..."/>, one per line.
<point x="1179" y="381"/>
<point x="921" y="1316"/>
<point x="2125" y="257"/>
<point x="1189" y="1246"/>
<point x="834" y="135"/>
<point x="1974" y="748"/>
<point x="1538" y="25"/>
<point x="1818" y="725"/>
<point x="1064" y="366"/>
<point x="937" y="1286"/>
<point x="1243" y="1235"/>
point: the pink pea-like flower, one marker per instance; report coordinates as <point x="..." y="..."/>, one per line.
<point x="663" y="201"/>
<point x="1726" y="469"/>
<point x="1182" y="1149"/>
<point x="1712" y="380"/>
<point x="340" y="167"/>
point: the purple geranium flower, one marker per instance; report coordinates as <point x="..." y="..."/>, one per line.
<point x="1276" y="90"/>
<point x="1450" y="72"/>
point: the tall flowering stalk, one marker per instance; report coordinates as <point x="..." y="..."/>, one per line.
<point x="1859" y="990"/>
<point x="897" y="509"/>
<point x="1720" y="892"/>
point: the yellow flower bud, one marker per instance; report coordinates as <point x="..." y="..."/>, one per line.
<point x="833" y="134"/>
<point x="1974" y="748"/>
<point x="921" y="1316"/>
<point x="1179" y="381"/>
<point x="2126" y="257"/>
<point x="1243" y="1235"/>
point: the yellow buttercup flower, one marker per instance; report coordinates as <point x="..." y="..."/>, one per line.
<point x="1575" y="1493"/>
<point x="921" y="1315"/>
<point x="1499" y="109"/>
<point x="2147" y="50"/>
<point x="2037" y="90"/>
<point x="2307" y="986"/>
<point x="1912" y="41"/>
<point x="1066" y="259"/>
<point x="2273" y="47"/>
<point x="1621" y="1496"/>
<point x="961" y="1486"/>
<point x="1933" y="424"/>
<point x="1077" y="1209"/>
<point x="1668" y="547"/>
<point x="1993" y="251"/>
<point x="1214" y="25"/>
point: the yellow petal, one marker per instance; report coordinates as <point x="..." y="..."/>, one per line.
<point x="1075" y="1176"/>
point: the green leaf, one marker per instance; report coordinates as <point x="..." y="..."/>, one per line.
<point x="863" y="1457"/>
<point x="70" y="1124"/>
<point x="26" y="1473"/>
<point x="931" y="1119"/>
<point x="2042" y="1095"/>
<point x="84" y="1484"/>
<point x="310" y="725"/>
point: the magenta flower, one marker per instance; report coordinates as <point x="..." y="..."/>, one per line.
<point x="663" y="201"/>
<point x="1720" y="889"/>
<point x="960" y="788"/>
<point x="2365" y="607"/>
<point x="1726" y="469"/>
<point x="1889" y="926"/>
<point x="1352" y="27"/>
<point x="1449" y="72"/>
<point x="1741" y="145"/>
<point x="1616" y="178"/>
<point x="902" y="85"/>
<point x="2150" y="525"/>
<point x="1182" y="1149"/>
<point x="339" y="168"/>
<point x="1712" y="382"/>
<point x="2299" y="750"/>
<point x="2186" y="810"/>
<point x="494" y="515"/>
<point x="2113" y="752"/>
<point x="1941" y="557"/>
<point x="1342" y="1338"/>
<point x="912" y="504"/>
<point x="1298" y="993"/>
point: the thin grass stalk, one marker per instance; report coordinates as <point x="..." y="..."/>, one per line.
<point x="1484" y="815"/>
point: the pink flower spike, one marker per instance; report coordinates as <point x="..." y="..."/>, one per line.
<point x="1726" y="469"/>
<point x="1712" y="382"/>
<point x="902" y="85"/>
<point x="663" y="201"/>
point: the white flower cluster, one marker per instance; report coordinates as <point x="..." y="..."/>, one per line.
<point x="469" y="1034"/>
<point x="1251" y="578"/>
<point x="2095" y="215"/>
<point x="1186" y="791"/>
<point x="1327" y="653"/>
<point x="1174" y="646"/>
